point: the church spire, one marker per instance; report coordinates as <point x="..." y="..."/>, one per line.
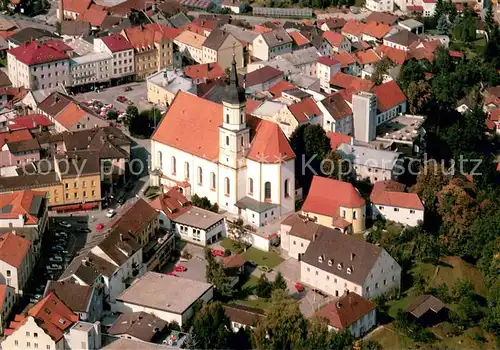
<point x="234" y="93"/>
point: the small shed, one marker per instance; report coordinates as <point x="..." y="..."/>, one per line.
<point x="428" y="310"/>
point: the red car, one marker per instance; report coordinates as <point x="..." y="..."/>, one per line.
<point x="217" y="252"/>
<point x="99" y="227"/>
<point x="172" y="274"/>
<point x="121" y="99"/>
<point x="299" y="287"/>
<point x="179" y="268"/>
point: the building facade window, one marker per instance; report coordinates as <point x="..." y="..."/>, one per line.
<point x="213" y="181"/>
<point x="186" y="170"/>
<point x="250" y="185"/>
<point x="200" y="176"/>
<point x="267" y="190"/>
<point x="287" y="188"/>
<point x="173" y="165"/>
<point x="227" y="186"/>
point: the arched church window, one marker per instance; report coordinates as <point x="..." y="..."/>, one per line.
<point x="227" y="186"/>
<point x="287" y="188"/>
<point x="267" y="190"/>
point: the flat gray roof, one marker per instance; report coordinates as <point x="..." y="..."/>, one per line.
<point x="163" y="292"/>
<point x="411" y="23"/>
<point x="199" y="218"/>
<point x="369" y="157"/>
<point x="253" y="205"/>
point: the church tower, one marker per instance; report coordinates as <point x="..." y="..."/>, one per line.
<point x="234" y="134"/>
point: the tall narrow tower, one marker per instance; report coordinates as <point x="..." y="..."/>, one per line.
<point x="234" y="135"/>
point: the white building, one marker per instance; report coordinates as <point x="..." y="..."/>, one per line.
<point x="91" y="68"/>
<point x="122" y="53"/>
<point x="84" y="336"/>
<point x="200" y="226"/>
<point x="190" y="44"/>
<point x="390" y="202"/>
<point x="205" y="148"/>
<point x="296" y="233"/>
<point x="167" y="297"/>
<point x="271" y="44"/>
<point x="38" y="66"/>
<point x="337" y="115"/>
<point x="350" y="312"/>
<point x="380" y="5"/>
<point x="326" y="68"/>
<point x="336" y="263"/>
<point x="242" y="316"/>
<point x="334" y="42"/>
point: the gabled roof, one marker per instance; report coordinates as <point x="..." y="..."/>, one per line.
<point x="277" y="89"/>
<point x="336" y="139"/>
<point x="29" y="34"/>
<point x="139" y="325"/>
<point x="301" y="226"/>
<point x="389" y="95"/>
<point x="335" y="39"/>
<point x="389" y="194"/>
<point x="345" y="81"/>
<point x="14" y="136"/>
<point x="244" y="315"/>
<point x="146" y="35"/>
<point x="337" y="106"/>
<point x="395" y="55"/>
<point x="191" y="39"/>
<point x="78" y="6"/>
<point x="353" y="27"/>
<point x="327" y="61"/>
<point x="350" y="252"/>
<point x="134" y="217"/>
<point x="72" y="114"/>
<point x="205" y="71"/>
<point x="173" y="203"/>
<point x="423" y="304"/>
<point x="382" y="17"/>
<point x="376" y="30"/>
<point x="76" y="296"/>
<point x="36" y="53"/>
<point x="216" y="39"/>
<point x="304" y="110"/>
<point x="116" y="43"/>
<point x="13" y="249"/>
<point x="53" y="316"/>
<point x="94" y="15"/>
<point x="344" y="312"/>
<point x="119" y="246"/>
<point x="367" y="57"/>
<point x="54" y="103"/>
<point x="333" y="23"/>
<point x="30" y="121"/>
<point x="344" y="58"/>
<point x="403" y="37"/>
<point x="326" y="196"/>
<point x="276" y="37"/>
<point x="299" y="39"/>
<point x="261" y="75"/>
<point x="269" y="145"/>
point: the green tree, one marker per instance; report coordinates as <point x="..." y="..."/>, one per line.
<point x="264" y="287"/>
<point x="381" y="68"/>
<point x="418" y="93"/>
<point x="279" y="282"/>
<point x="211" y="327"/>
<point x="489" y="19"/>
<point x="336" y="167"/>
<point x="442" y="25"/>
<point x="412" y="70"/>
<point x="204" y="203"/>
<point x="283" y="328"/>
<point x="112" y="114"/>
<point x="464" y="28"/>
<point x="439" y="10"/>
<point x="215" y="274"/>
<point x="132" y="111"/>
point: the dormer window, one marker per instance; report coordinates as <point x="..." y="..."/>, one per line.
<point x="339" y="266"/>
<point x="330" y="262"/>
<point x="349" y="270"/>
<point x="320" y="259"/>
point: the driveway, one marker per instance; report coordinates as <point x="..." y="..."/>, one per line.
<point x="195" y="267"/>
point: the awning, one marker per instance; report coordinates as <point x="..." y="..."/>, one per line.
<point x="69" y="207"/>
<point x="88" y="206"/>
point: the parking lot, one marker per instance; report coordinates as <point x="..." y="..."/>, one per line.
<point x="138" y="95"/>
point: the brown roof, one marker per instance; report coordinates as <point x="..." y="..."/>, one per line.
<point x="119" y="246"/>
<point x="245" y="315"/>
<point x="75" y="28"/>
<point x="173" y="203"/>
<point x="216" y="39"/>
<point x="233" y="261"/>
<point x="140" y="325"/>
<point x="381" y="17"/>
<point x="346" y="250"/>
<point x="54" y="103"/>
<point x="337" y="106"/>
<point x="261" y="75"/>
<point x="403" y="37"/>
<point x="12" y="183"/>
<point x="276" y="37"/>
<point x="75" y="296"/>
<point x="346" y="310"/>
<point x="134" y="217"/>
<point x="4" y="80"/>
<point x="423" y="304"/>
<point x="301" y="226"/>
<point x="23" y="146"/>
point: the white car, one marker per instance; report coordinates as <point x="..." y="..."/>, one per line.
<point x="56" y="259"/>
<point x="35" y="298"/>
<point x="110" y="213"/>
<point x="61" y="234"/>
<point x="54" y="267"/>
<point x="65" y="224"/>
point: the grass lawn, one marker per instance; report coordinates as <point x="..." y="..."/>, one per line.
<point x="257" y="303"/>
<point x="389" y="338"/>
<point x="251" y="282"/>
<point x="270" y="259"/>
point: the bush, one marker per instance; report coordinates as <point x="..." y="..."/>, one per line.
<point x="264" y="287"/>
<point x="227" y="252"/>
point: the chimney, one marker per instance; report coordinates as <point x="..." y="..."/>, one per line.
<point x="121" y="237"/>
<point x="353" y="256"/>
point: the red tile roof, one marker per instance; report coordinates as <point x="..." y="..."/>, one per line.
<point x="327" y="61"/>
<point x="173" y="203"/>
<point x="326" y="196"/>
<point x="58" y="45"/>
<point x="193" y="27"/>
<point x="269" y="144"/>
<point x="116" y="43"/>
<point x="70" y="115"/>
<point x="367" y="57"/>
<point x="208" y="25"/>
<point x="19" y="203"/>
<point x="262" y="75"/>
<point x="205" y="71"/>
<point x="78" y="6"/>
<point x="345" y="81"/>
<point x="204" y="118"/>
<point x="53" y="316"/>
<point x="336" y="139"/>
<point x="391" y="195"/>
<point x="335" y="39"/>
<point x="415" y="8"/>
<point x="148" y="34"/>
<point x="377" y="30"/>
<point x="252" y="105"/>
<point x="345" y="58"/>
<point x="36" y="53"/>
<point x="353" y="27"/>
<point x="94" y="15"/>
<point x="30" y="121"/>
<point x="298" y="38"/>
<point x="277" y="89"/>
<point x="389" y="95"/>
<point x="14" y="136"/>
<point x="13" y="249"/>
<point x="304" y="110"/>
<point x="261" y="29"/>
<point x="336" y="105"/>
<point x="395" y="55"/>
<point x="345" y="311"/>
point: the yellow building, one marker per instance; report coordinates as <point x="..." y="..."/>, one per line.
<point x="153" y="47"/>
<point x="335" y="203"/>
<point x="164" y="85"/>
<point x="220" y="46"/>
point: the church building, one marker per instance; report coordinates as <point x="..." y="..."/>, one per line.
<point x="242" y="163"/>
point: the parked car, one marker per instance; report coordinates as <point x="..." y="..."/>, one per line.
<point x="65" y="224"/>
<point x="110" y="213"/>
<point x="84" y="229"/>
<point x="299" y="287"/>
<point x="172" y="274"/>
<point x="265" y="268"/>
<point x="56" y="259"/>
<point x="61" y="234"/>
<point x="35" y="298"/>
<point x="217" y="252"/>
<point x="128" y="88"/>
<point x="99" y="227"/>
<point x="179" y="268"/>
<point x="57" y="247"/>
<point x="121" y="200"/>
<point x="54" y="267"/>
<point x="121" y="99"/>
